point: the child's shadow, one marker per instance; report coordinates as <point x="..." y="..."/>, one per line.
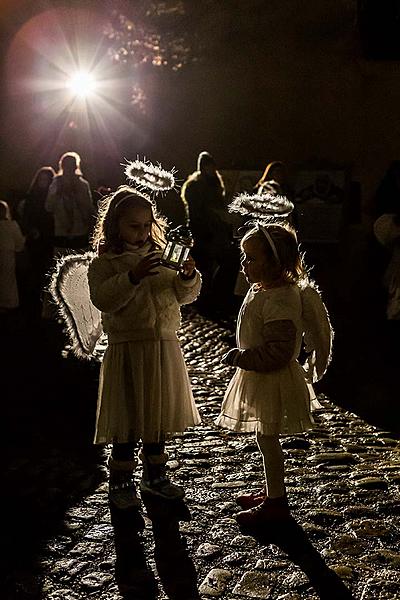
<point x="175" y="568"/>
<point x="292" y="539"/>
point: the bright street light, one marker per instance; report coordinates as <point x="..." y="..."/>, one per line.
<point x="82" y="84"/>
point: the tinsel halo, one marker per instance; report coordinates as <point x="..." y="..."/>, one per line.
<point x="147" y="176"/>
<point x="264" y="208"/>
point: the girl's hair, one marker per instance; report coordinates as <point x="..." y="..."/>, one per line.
<point x="266" y="176"/>
<point x="111" y="208"/>
<point x="48" y="171"/>
<point x="5" y="213"/>
<point x="71" y="158"/>
<point x="282" y="251"/>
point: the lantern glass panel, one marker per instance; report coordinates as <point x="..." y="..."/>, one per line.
<point x="174" y="255"/>
<point x="176" y="251"/>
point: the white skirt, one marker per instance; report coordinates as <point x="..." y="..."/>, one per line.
<point x="144" y="392"/>
<point x="269" y="403"/>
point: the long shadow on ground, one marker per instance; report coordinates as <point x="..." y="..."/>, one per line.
<point x="50" y="461"/>
<point x="175" y="568"/>
<point x="292" y="539"/>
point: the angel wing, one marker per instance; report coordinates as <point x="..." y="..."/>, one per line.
<point x="70" y="290"/>
<point x="318" y="333"/>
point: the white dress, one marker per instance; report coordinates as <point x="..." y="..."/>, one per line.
<point x="268" y="402"/>
<point x="144" y="389"/>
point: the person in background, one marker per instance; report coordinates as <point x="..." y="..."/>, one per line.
<point x="11" y="242"/>
<point x="274" y="180"/>
<point x="270" y="191"/>
<point x="387" y="196"/>
<point x="69" y="200"/>
<point x="387" y="232"/>
<point x="215" y="252"/>
<point x="384" y="211"/>
<point x="38" y="227"/>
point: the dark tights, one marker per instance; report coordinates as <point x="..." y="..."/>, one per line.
<point x="126" y="450"/>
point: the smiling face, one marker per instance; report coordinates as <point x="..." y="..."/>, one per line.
<point x="254" y="261"/>
<point x="135" y="225"/>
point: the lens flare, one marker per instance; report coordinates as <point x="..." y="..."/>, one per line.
<point x="82" y="84"/>
<point x="58" y="68"/>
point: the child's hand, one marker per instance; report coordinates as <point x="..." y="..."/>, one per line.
<point x="144" y="267"/>
<point x="188" y="267"/>
<point x="230" y="357"/>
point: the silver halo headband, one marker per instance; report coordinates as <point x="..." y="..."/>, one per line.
<point x="151" y="177"/>
<point x="270" y="241"/>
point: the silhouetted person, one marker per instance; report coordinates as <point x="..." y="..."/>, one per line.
<point x="214" y="250"/>
<point x="386" y="201"/>
<point x="11" y="242"/>
<point x="38" y="227"/>
<point x="70" y="201"/>
<point x="387" y="232"/>
<point x="387" y="196"/>
<point x="274" y="180"/>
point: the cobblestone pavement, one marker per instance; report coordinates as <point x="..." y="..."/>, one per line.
<point x="343" y="482"/>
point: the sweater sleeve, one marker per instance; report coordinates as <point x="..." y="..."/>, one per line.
<point x="109" y="291"/>
<point x="187" y="290"/>
<point x="275" y="352"/>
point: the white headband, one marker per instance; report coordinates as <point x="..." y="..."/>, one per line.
<point x="132" y="195"/>
<point x="270" y="241"/>
<point x="122" y="200"/>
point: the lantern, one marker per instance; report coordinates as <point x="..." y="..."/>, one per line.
<point x="179" y="242"/>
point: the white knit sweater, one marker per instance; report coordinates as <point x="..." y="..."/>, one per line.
<point x="146" y="311"/>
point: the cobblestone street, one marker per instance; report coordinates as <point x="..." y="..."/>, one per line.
<point x="342" y="477"/>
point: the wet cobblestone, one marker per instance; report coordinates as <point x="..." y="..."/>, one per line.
<point x="343" y="486"/>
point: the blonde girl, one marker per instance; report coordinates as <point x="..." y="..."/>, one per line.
<point x="269" y="393"/>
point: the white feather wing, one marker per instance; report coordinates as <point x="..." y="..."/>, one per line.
<point x="70" y="290"/>
<point x="318" y="334"/>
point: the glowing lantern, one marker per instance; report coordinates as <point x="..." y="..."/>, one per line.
<point x="179" y="242"/>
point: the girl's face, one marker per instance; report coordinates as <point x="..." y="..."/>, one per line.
<point x="135" y="225"/>
<point x="254" y="261"/>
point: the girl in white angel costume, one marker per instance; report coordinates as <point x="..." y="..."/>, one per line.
<point x="271" y="393"/>
<point x="144" y="390"/>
